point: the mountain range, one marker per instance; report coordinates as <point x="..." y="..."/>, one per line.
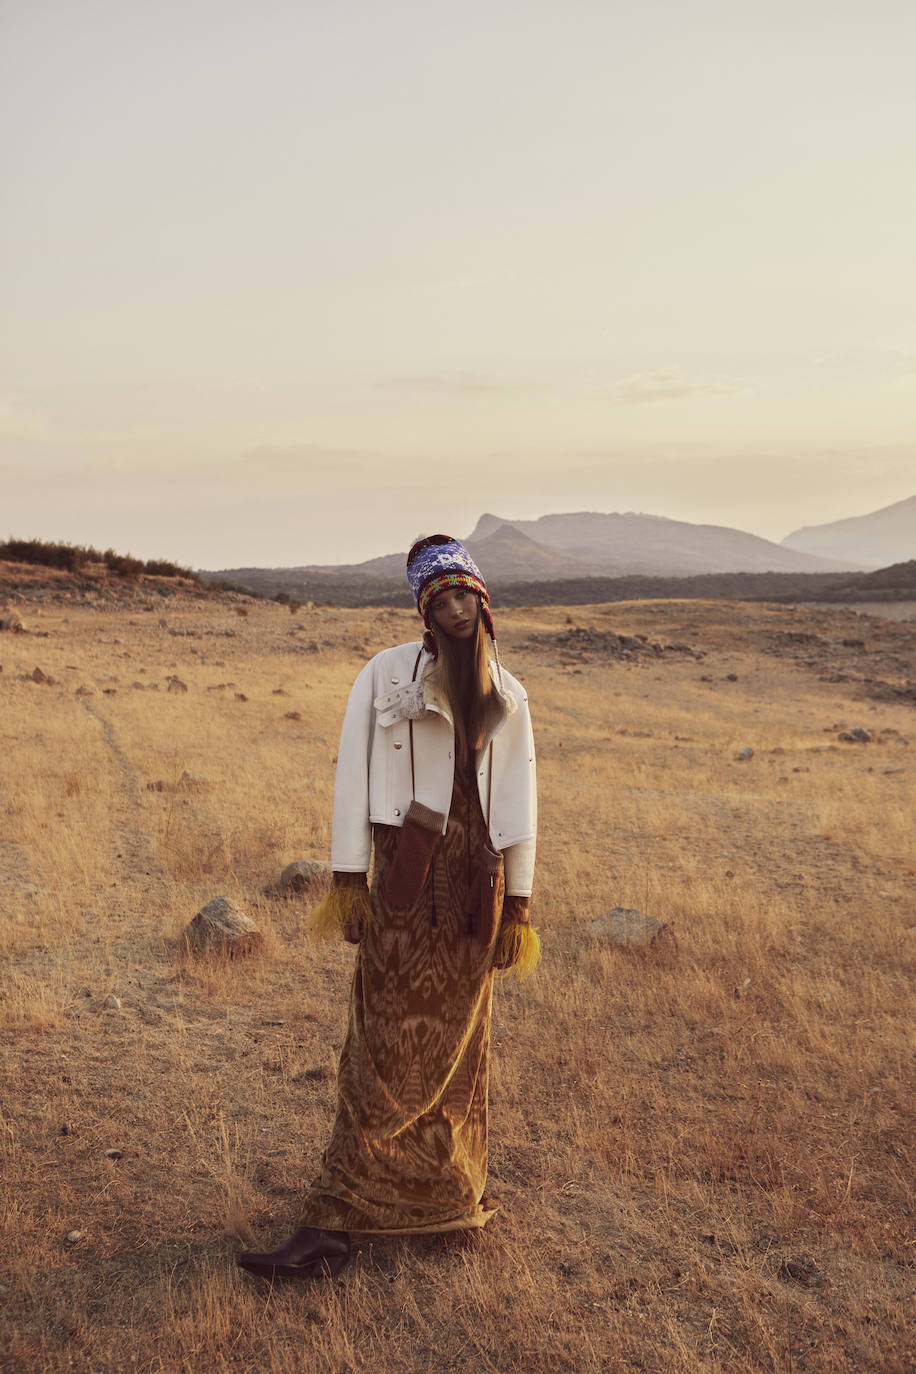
<point x="874" y="540"/>
<point x="590" y="544"/>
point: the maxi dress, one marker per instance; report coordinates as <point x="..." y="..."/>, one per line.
<point x="408" y="1148"/>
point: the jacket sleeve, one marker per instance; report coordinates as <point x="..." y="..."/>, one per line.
<point x="519" y="858"/>
<point x="351" y="834"/>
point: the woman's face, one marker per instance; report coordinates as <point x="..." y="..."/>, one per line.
<point x="455" y="613"/>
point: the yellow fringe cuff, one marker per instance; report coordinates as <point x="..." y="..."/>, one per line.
<point x="341" y="906"/>
<point x="518" y="949"/>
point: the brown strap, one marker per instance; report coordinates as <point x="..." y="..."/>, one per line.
<point x="413" y="782"/>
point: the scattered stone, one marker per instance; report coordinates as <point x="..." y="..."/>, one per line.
<point x="279" y="692"/>
<point x="12" y="622"/>
<point x="176" y="685"/>
<point x="301" y="874"/>
<point x="857" y="735"/>
<point x="731" y="677"/>
<point x="38" y="676"/>
<point x="67" y="1128"/>
<point x="743" y="755"/>
<point x="114" y="1154"/>
<point x="240" y="696"/>
<point x="802" y="1270"/>
<point x="896" y="768"/>
<point x="112" y="1003"/>
<point x="86" y="690"/>
<point x="224" y="927"/>
<point x="193" y="782"/>
<point x="292" y="715"/>
<point x="627" y="927"/>
<point x="157" y="786"/>
<point x="73" y="1236"/>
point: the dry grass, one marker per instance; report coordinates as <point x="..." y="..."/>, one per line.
<point x="704" y="1152"/>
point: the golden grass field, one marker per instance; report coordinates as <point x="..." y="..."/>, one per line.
<point x="704" y="1152"/>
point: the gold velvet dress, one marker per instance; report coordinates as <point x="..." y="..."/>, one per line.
<point x="408" y="1149"/>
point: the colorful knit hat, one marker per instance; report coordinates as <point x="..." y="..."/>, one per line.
<point x="438" y="564"/>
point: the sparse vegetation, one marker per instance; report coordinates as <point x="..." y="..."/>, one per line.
<point x="897" y="583"/>
<point x="704" y="1152"/>
<point x="75" y="557"/>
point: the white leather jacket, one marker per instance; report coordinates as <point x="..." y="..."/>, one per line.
<point x="373" y="782"/>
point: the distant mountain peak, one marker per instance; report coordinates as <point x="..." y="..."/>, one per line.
<point x="486" y="525"/>
<point x="881" y="537"/>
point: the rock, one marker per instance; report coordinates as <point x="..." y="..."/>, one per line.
<point x="224" y="927"/>
<point x="38" y="676"/>
<point x="743" y="755"/>
<point x="73" y="1236"/>
<point x="857" y="735"/>
<point x="627" y="927"/>
<point x="114" y="1154"/>
<point x="240" y="696"/>
<point x="193" y="782"/>
<point x="112" y="1003"/>
<point x="731" y="677"/>
<point x="895" y="768"/>
<point x="300" y="874"/>
<point x="292" y="715"/>
<point x="11" y="621"/>
<point x="176" y="685"/>
<point x="67" y="1128"/>
<point x="86" y="690"/>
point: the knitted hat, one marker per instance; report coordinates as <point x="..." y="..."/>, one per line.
<point x="438" y="564"/>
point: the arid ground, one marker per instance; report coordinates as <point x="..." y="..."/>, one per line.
<point x="704" y="1151"/>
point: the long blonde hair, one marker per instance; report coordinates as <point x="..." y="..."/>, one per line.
<point x="462" y="672"/>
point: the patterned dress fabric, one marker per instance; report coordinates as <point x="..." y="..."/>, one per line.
<point x="408" y="1149"/>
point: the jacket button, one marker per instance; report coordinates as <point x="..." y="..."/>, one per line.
<point x="395" y="681"/>
<point x="397" y="744"/>
<point x="397" y="811"/>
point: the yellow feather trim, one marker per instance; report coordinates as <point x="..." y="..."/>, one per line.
<point x="517" y="949"/>
<point x="341" y="906"/>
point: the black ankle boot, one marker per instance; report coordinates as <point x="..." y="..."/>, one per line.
<point x="308" y="1254"/>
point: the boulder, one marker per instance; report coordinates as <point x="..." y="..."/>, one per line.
<point x="626" y="927"/>
<point x="857" y="735"/>
<point x="9" y="620"/>
<point x="223" y="927"/>
<point x="299" y="875"/>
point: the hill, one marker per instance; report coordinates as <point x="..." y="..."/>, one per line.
<point x="615" y="545"/>
<point x="883" y="536"/>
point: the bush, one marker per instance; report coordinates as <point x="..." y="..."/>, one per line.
<point x="74" y="557"/>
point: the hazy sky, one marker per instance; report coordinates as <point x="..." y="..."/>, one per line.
<point x="290" y="282"/>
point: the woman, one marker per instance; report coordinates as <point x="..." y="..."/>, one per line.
<point x="436" y="765"/>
